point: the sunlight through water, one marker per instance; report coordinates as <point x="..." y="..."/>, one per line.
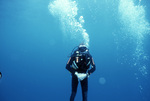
<point x="133" y="19"/>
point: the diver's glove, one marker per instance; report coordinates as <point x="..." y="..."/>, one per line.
<point x="81" y="76"/>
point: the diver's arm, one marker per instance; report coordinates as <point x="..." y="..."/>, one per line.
<point x="93" y="67"/>
<point x="70" y="69"/>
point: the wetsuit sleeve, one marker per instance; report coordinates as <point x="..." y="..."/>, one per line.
<point x="93" y="67"/>
<point x="68" y="66"/>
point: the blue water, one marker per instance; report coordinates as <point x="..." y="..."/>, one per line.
<point x="37" y="36"/>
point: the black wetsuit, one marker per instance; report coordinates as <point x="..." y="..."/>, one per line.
<point x="80" y="62"/>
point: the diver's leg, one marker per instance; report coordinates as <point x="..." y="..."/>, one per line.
<point x="74" y="87"/>
<point x="84" y="85"/>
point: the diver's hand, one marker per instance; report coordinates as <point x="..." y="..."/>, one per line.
<point x="81" y="76"/>
<point x="77" y="74"/>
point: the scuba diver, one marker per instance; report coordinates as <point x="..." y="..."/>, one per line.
<point x="81" y="65"/>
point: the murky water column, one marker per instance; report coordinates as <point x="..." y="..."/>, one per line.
<point x="72" y="24"/>
<point x="132" y="17"/>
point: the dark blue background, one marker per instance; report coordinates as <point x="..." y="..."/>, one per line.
<point x="33" y="55"/>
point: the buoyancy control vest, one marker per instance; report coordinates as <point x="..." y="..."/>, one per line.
<point x="82" y="59"/>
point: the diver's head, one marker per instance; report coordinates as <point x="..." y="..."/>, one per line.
<point x="82" y="47"/>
